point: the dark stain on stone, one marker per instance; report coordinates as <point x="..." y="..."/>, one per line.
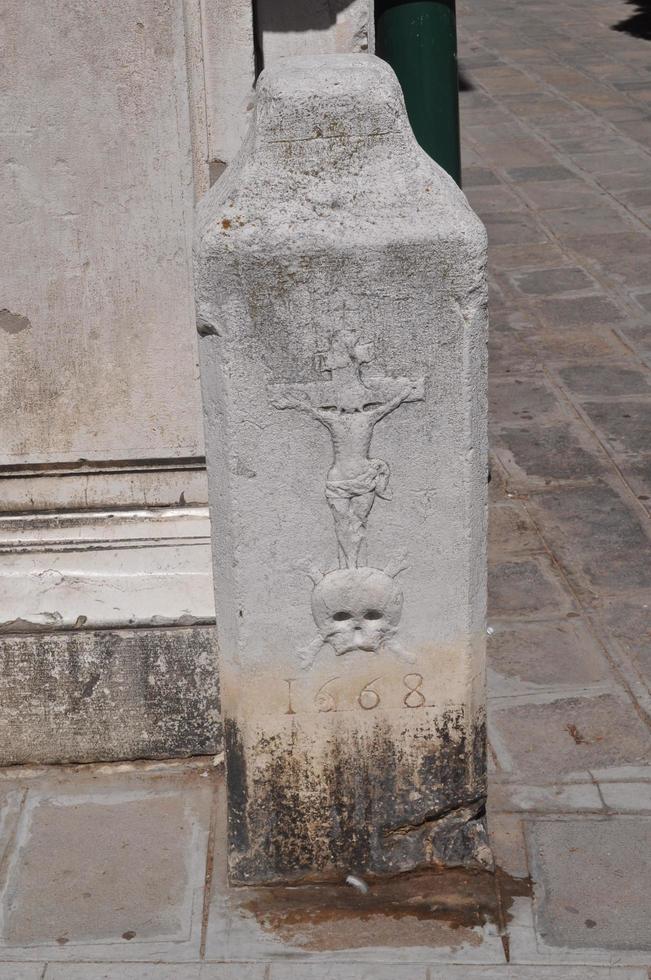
<point x="431" y="908"/>
<point x="375" y="805"/>
<point x="129" y="934"/>
<point x="13" y="322"/>
<point x="236" y="783"/>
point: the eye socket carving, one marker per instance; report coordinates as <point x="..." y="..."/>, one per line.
<point x="373" y="614"/>
<point x="340" y="617"/>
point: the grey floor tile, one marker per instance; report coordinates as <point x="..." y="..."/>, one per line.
<point x="627" y="797"/>
<point x="599" y="539"/>
<point x="605" y="380"/>
<point x="626" y="424"/>
<point x="540" y="454"/>
<point x="535" y="656"/>
<point x="595" y="882"/>
<point x="526" y="588"/>
<point x="545" y="742"/>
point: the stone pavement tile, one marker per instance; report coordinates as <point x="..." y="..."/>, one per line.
<point x="546" y="282"/>
<point x="629" y="622"/>
<point x="598" y="539"/>
<point x="581" y="310"/>
<point x="547" y="799"/>
<point x="637" y="473"/>
<point x="625" y="255"/>
<point x="560" y="194"/>
<point x="593" y="882"/>
<point x="155" y="971"/>
<point x="22" y="971"/>
<point x="108" y="862"/>
<point x="605" y="380"/>
<point x="539" y="972"/>
<point x="639" y="337"/>
<point x="346" y="971"/>
<point x="506" y="833"/>
<point x="548" y="741"/>
<point x="574" y="223"/>
<point x="640" y="198"/>
<point x="511" y="531"/>
<point x="531" y="656"/>
<point x="625" y="424"/>
<point x="644" y="299"/>
<point x="513" y="228"/>
<point x="527" y="587"/>
<point x="485" y="200"/>
<point x="627" y="180"/>
<point x="521" y="400"/>
<point x="544" y="172"/>
<point x="627" y="797"/>
<point x="578" y="343"/>
<point x="541" y="454"/>
<point x="479" y="177"/>
<point x="532" y="256"/>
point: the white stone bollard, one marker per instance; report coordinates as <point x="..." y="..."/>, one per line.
<point x="341" y="304"/>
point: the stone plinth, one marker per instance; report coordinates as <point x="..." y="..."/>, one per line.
<point x="341" y="308"/>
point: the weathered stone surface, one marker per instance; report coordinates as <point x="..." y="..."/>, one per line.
<point x="526" y="587"/>
<point x="121" y="864"/>
<point x="596" y="882"/>
<point x="108" y="694"/>
<point x="341" y="303"/>
<point x="545" y="741"/>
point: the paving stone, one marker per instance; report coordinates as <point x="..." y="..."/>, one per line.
<point x="522" y="400"/>
<point x="511" y="531"/>
<point x="510" y="229"/>
<point x="156" y="971"/>
<point x="595" y="882"/>
<point x="560" y="194"/>
<point x="644" y="299"/>
<point x="540" y="173"/>
<point x="545" y="282"/>
<point x="639" y="337"/>
<point x="507" y="841"/>
<point x="566" y="798"/>
<point x="596" y="536"/>
<point x="526" y="587"/>
<point x="627" y="797"/>
<point x="120" y="862"/>
<point x="479" y="177"/>
<point x="523" y="256"/>
<point x="542" y="454"/>
<point x="22" y="971"/>
<point x="626" y="424"/>
<point x="625" y="255"/>
<point x="546" y="741"/>
<point x="549" y="654"/>
<point x="629" y="622"/>
<point x="605" y="380"/>
<point x="346" y="971"/>
<point x="567" y="223"/>
<point x="586" y="343"/>
<point x="566" y="312"/>
<point x="485" y="200"/>
<point x="539" y="972"/>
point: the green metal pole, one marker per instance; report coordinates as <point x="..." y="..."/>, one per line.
<point x="418" y="38"/>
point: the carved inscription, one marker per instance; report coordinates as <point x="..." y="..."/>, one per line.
<point x="378" y="691"/>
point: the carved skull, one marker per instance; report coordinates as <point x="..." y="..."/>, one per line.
<point x="356" y="609"/>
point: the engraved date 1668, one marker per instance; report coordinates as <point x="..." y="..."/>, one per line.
<point x="368" y="697"/>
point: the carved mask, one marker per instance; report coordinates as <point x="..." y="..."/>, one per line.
<point x="356" y="609"/>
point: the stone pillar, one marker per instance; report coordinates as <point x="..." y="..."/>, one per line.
<point x="341" y="307"/>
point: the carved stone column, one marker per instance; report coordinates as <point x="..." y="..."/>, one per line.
<point x="341" y="305"/>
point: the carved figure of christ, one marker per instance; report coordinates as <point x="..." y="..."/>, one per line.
<point x="350" y="409"/>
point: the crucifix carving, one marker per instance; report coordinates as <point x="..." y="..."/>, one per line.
<point x="350" y="404"/>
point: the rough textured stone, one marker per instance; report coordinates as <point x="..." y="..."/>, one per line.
<point x="341" y="300"/>
<point x="571" y="735"/>
<point x="547" y="654"/>
<point x="526" y="587"/>
<point x="600" y="541"/>
<point x="119" y="866"/>
<point x="626" y="424"/>
<point x="543" y="282"/>
<point x="596" y="882"/>
<point x="108" y="694"/>
<point x="538" y="455"/>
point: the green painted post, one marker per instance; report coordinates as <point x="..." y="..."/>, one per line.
<point x="418" y="38"/>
